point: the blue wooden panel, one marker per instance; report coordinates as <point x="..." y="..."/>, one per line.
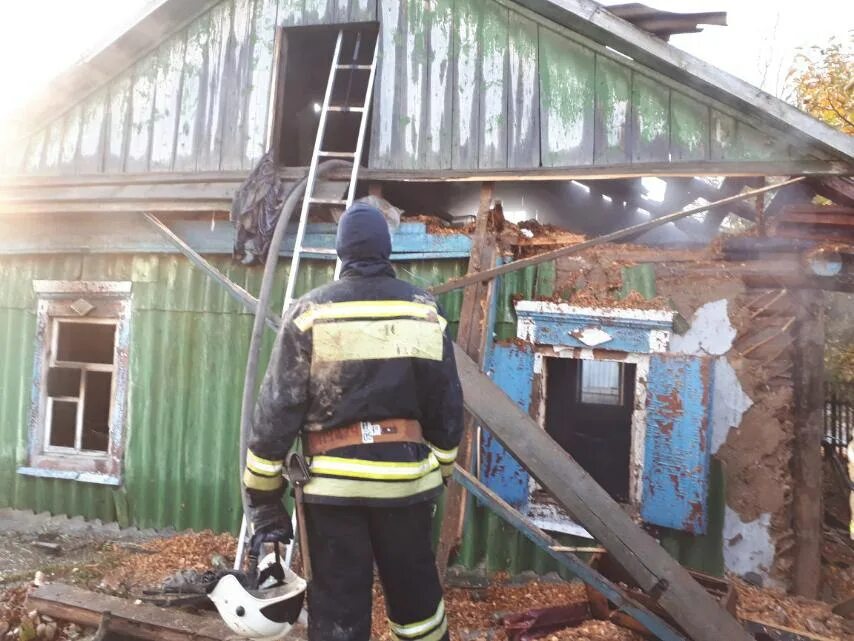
<point x="626" y="335"/>
<point x="512" y="369"/>
<point x="676" y="459"/>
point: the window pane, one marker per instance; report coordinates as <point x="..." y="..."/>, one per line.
<point x="601" y="382"/>
<point x="63" y="423"/>
<point x="96" y="411"/>
<point x="85" y="342"/>
<point x="63" y="381"/>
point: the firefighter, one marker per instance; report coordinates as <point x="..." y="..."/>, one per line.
<point x="363" y="370"/>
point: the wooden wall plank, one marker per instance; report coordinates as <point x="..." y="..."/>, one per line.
<point x="35" y="151"/>
<point x="290" y="12"/>
<point x="142" y="111"/>
<point x="167" y="103"/>
<point x="689" y="128"/>
<point x="53" y="147"/>
<point x="318" y="12"/>
<point x="523" y="114"/>
<point x="362" y="11"/>
<point x="118" y="124"/>
<point x="566" y="101"/>
<point x="613" y="106"/>
<point x="211" y="129"/>
<point x="258" y="101"/>
<point x="468" y="18"/>
<point x="237" y="83"/>
<point x="494" y="83"/>
<point x="385" y="131"/>
<point x="193" y="101"/>
<point x="70" y="140"/>
<point x="90" y="158"/>
<point x="650" y="119"/>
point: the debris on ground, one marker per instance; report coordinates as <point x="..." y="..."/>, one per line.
<point x="148" y="565"/>
<point x="776" y="608"/>
<point x="19" y="623"/>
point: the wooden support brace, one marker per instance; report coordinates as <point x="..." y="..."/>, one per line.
<point x="808" y="376"/>
<point x="472" y="336"/>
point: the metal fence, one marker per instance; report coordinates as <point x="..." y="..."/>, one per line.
<point x="838" y="416"/>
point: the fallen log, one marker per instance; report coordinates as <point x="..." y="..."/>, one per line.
<point x="85" y="608"/>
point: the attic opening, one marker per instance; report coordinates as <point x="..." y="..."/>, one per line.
<point x="589" y="405"/>
<point x="305" y="58"/>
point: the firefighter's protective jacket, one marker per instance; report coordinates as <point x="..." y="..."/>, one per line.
<point x="367" y="347"/>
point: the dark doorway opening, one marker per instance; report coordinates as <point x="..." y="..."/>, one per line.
<point x="305" y="59"/>
<point x="589" y="406"/>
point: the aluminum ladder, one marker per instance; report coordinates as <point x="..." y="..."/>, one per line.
<point x="309" y="198"/>
<point x="320" y="152"/>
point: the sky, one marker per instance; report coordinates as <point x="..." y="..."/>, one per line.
<point x="39" y="39"/>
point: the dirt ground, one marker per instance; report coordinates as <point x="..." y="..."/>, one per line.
<point x="125" y="569"/>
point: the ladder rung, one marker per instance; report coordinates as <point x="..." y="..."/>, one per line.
<point x="317" y="250"/>
<point x="337" y="154"/>
<point x="327" y="201"/>
<point x="344" y="108"/>
<point x="356" y="67"/>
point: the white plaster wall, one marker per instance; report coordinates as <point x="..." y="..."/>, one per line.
<point x="748" y="546"/>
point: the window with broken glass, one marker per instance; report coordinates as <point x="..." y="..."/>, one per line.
<point x="79" y="409"/>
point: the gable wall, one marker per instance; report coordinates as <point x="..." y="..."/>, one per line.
<point x="462" y="84"/>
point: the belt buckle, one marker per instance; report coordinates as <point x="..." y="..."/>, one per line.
<point x="369" y="431"/>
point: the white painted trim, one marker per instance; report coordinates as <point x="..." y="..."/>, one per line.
<point x="82" y="287"/>
<point x="565" y="309"/>
<point x="85" y="477"/>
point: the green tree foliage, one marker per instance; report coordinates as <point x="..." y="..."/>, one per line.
<point x="822" y="82"/>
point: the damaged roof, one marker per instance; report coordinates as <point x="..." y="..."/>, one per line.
<point x="666" y="23"/>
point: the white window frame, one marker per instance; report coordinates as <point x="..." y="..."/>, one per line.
<point x="110" y="303"/>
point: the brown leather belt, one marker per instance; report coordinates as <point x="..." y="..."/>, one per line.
<point x="390" y="430"/>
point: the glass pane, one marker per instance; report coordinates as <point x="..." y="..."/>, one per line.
<point x="86" y="342"/>
<point x="601" y="382"/>
<point x="63" y="381"/>
<point x="63" y="423"/>
<point x="96" y="411"/>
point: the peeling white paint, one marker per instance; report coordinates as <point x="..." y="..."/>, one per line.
<point x="748" y="546"/>
<point x="729" y="402"/>
<point x="591" y="336"/>
<point x="659" y="339"/>
<point x="545" y="307"/>
<point x="711" y="332"/>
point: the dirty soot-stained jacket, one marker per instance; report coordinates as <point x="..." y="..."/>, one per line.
<point x="365" y="348"/>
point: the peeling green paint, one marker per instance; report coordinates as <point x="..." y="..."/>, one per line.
<point x="689" y="128"/>
<point x="651" y="119"/>
<point x="613" y="104"/>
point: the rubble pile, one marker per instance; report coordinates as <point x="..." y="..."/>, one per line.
<point x="17" y="623"/>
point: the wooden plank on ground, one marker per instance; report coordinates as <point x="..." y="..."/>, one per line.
<point x="648" y="563"/>
<point x="143" y="621"/>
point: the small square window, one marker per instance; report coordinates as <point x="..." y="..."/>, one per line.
<point x="80" y="401"/>
<point x="601" y="383"/>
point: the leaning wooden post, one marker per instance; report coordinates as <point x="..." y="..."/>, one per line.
<point x="472" y="335"/>
<point x="808" y="379"/>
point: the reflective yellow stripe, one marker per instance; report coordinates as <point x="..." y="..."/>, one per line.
<point x="367" y="309"/>
<point x="262" y="465"/>
<point x="444" y="456"/>
<point x="420" y="627"/>
<point x="353" y="488"/>
<point x="262" y="483"/>
<point x="376" y="339"/>
<point x="385" y="471"/>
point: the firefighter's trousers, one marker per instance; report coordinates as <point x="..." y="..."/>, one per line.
<point x="344" y="543"/>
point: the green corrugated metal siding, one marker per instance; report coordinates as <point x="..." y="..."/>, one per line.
<point x="187" y="354"/>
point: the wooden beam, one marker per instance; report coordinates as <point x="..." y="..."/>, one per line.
<point x="808" y="379"/>
<point x="564" y="555"/>
<point x="85" y="608"/>
<point x="472" y="336"/>
<point x="654" y="570"/>
<point x="621" y="234"/>
<point x="839" y="189"/>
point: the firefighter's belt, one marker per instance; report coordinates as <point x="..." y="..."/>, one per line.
<point x="390" y="430"/>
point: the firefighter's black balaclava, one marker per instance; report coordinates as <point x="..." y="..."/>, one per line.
<point x="364" y="242"/>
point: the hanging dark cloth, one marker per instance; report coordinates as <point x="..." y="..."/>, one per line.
<point x="255" y="210"/>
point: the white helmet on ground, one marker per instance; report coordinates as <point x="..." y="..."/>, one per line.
<point x="264" y="614"/>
